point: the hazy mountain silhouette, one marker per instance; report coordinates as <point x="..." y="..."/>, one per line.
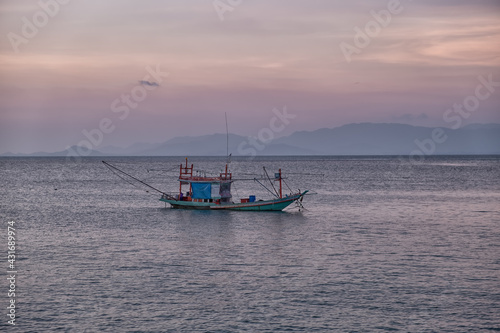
<point x="397" y="139"/>
<point x="352" y="139"/>
<point x="72" y="151"/>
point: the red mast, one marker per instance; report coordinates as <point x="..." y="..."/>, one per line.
<point x="281" y="193"/>
<point x="187" y="172"/>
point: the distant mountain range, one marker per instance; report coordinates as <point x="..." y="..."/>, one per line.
<point x="352" y="139"/>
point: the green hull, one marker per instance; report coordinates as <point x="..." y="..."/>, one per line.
<point x="268" y="205"/>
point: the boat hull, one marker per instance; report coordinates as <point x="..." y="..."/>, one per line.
<point x="268" y="205"/>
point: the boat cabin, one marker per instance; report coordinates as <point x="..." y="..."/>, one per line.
<point x="202" y="188"/>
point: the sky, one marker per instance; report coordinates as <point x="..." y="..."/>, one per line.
<point x="117" y="72"/>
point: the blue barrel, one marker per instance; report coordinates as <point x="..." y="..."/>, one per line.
<point x="251" y="198"/>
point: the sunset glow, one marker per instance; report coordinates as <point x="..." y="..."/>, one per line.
<point x="263" y="55"/>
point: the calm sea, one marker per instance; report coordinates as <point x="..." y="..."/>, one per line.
<point x="384" y="245"/>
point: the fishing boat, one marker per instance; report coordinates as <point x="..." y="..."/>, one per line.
<point x="214" y="193"/>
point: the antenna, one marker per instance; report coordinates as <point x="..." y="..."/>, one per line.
<point x="227" y="138"/>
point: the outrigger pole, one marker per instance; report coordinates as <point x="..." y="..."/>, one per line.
<point x="112" y="167"/>
<point x="264" y="186"/>
<point x="270" y="181"/>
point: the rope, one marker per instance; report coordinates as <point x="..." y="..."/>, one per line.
<point x="113" y="168"/>
<point x="287" y="185"/>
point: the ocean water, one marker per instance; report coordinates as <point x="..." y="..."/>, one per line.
<point x="384" y="245"/>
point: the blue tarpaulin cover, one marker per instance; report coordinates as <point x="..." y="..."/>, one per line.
<point x="201" y="190"/>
